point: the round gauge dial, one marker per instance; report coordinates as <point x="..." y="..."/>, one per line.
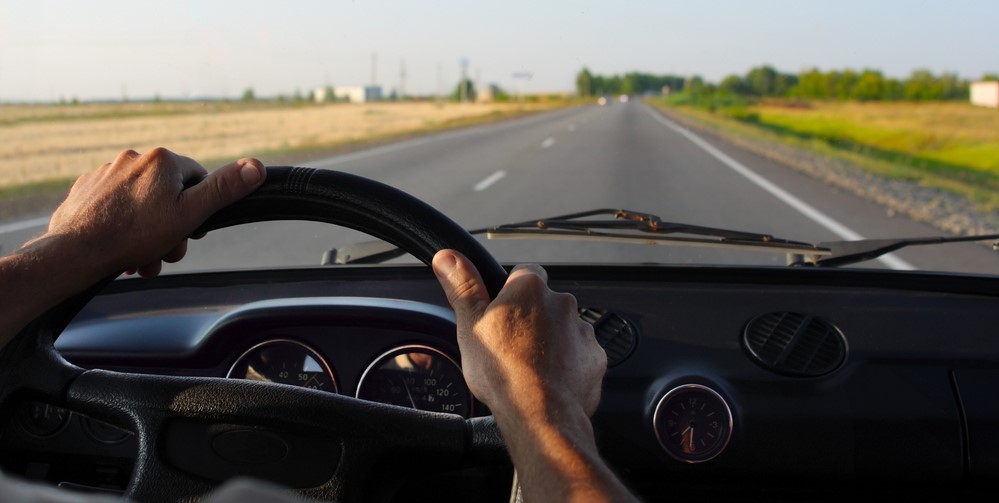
<point x="42" y="420"/>
<point x="693" y="423"/>
<point x="418" y="377"/>
<point x="286" y="362"/>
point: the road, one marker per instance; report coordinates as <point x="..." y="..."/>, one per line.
<point x="621" y="156"/>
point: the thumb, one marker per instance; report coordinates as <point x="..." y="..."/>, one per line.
<point x="462" y="284"/>
<point x="226" y="185"/>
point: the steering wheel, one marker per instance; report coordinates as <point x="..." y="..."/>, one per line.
<point x="258" y="420"/>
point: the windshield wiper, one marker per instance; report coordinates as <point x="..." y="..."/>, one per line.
<point x="624" y="226"/>
<point x="852" y="252"/>
<point x="632" y="226"/>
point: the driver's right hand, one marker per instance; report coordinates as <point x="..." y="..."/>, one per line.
<point x="526" y="354"/>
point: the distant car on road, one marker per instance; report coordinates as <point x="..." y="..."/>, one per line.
<point x="623" y="98"/>
<point x="603" y="101"/>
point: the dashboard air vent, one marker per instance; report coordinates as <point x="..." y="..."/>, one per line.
<point x="615" y="334"/>
<point x="795" y="344"/>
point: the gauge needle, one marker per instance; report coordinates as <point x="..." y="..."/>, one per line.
<point x="408" y="394"/>
<point x="688" y="439"/>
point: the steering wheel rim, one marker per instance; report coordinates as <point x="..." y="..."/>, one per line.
<point x="148" y="404"/>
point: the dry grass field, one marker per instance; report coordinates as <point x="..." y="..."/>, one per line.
<point x="52" y="142"/>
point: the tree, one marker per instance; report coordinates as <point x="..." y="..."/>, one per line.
<point x="695" y="86"/>
<point x="734" y="85"/>
<point x="990" y="77"/>
<point x="762" y="80"/>
<point x="328" y="95"/>
<point x="584" y="83"/>
<point x="628" y="84"/>
<point x="469" y="91"/>
<point x="248" y="94"/>
<point x="812" y="85"/>
<point x="920" y="86"/>
<point x="869" y="87"/>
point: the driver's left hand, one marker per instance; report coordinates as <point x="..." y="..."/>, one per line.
<point x="134" y="212"/>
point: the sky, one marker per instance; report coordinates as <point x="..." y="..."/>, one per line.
<point x="51" y="50"/>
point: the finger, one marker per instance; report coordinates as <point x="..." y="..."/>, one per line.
<point x="535" y="269"/>
<point x="223" y="187"/>
<point x="462" y="285"/>
<point x="151" y="270"/>
<point x="177" y="253"/>
<point x="191" y="171"/>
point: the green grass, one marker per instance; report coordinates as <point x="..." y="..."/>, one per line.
<point x="951" y="146"/>
<point x="34" y="189"/>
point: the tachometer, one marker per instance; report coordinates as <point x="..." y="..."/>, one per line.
<point x="418" y="377"/>
<point x="287" y="362"/>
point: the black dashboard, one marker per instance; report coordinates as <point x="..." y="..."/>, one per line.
<point x="776" y="383"/>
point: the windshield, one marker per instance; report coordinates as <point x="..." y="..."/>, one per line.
<point x="792" y="119"/>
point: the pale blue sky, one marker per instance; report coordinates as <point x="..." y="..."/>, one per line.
<point x="53" y="49"/>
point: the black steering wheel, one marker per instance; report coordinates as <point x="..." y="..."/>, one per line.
<point x="259" y="418"/>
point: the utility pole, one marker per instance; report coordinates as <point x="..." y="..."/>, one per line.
<point x="520" y="77"/>
<point x="462" y="88"/>
<point x="440" y="80"/>
<point x="402" y="79"/>
<point x="478" y="82"/>
<point x="374" y="68"/>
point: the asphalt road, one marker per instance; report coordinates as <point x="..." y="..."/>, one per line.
<point x="621" y="156"/>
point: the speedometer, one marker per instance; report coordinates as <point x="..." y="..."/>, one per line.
<point x="284" y="361"/>
<point x="418" y="377"/>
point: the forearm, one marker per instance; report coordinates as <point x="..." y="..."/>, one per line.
<point x="554" y="451"/>
<point x="40" y="275"/>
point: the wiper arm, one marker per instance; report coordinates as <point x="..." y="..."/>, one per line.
<point x="646" y="228"/>
<point x="624" y="226"/>
<point x="852" y="252"/>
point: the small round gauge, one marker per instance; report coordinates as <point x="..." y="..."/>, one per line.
<point x="103" y="432"/>
<point x="418" y="377"/>
<point x="286" y="362"/>
<point x="693" y="423"/>
<point x="42" y="420"/>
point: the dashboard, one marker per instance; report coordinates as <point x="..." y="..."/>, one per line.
<point x="724" y="383"/>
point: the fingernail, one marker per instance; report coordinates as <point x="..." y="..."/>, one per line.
<point x="444" y="263"/>
<point x="250" y="174"/>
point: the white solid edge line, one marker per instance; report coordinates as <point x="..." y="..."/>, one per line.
<point x="489" y="181"/>
<point x="447" y="135"/>
<point x="786" y="197"/>
<point x="24" y="224"/>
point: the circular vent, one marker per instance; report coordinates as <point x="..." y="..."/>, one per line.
<point x="795" y="344"/>
<point x="615" y="334"/>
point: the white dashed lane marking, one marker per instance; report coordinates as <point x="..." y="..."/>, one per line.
<point x="489" y="181"/>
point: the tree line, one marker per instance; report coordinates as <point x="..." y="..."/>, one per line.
<point x="767" y="82"/>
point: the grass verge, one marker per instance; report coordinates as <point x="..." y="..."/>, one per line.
<point x="933" y="158"/>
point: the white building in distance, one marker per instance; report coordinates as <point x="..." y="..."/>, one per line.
<point x="353" y="94"/>
<point x="985" y="94"/>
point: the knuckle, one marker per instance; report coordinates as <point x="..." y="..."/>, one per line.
<point x="159" y="153"/>
<point x="567" y="302"/>
<point x="125" y="155"/>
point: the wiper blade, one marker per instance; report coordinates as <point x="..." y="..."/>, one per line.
<point x="646" y="228"/>
<point x="626" y="226"/>
<point x="852" y="252"/>
<point x="623" y="226"/>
